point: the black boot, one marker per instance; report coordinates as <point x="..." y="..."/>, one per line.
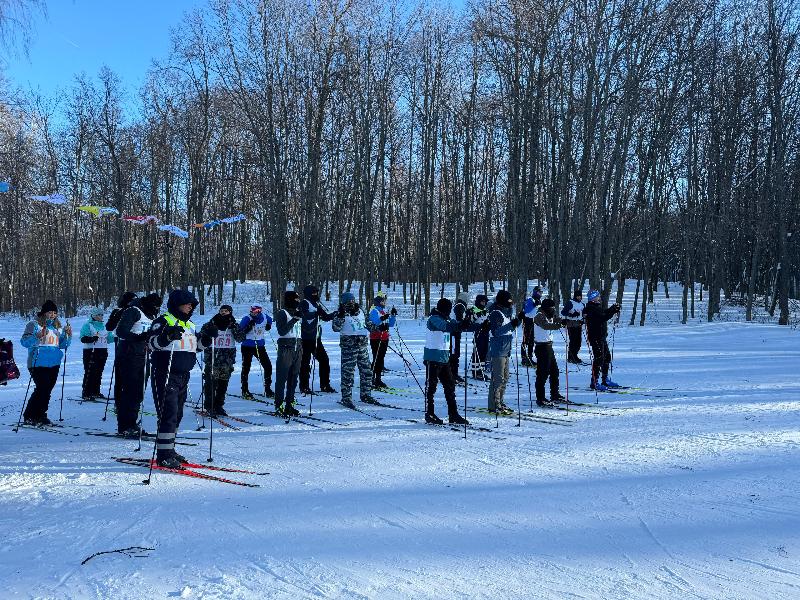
<point x="432" y="419"/>
<point x="457" y="419"/>
<point x="169" y="460"/>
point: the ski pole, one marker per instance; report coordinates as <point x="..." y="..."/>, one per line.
<point x="465" y="386"/>
<point x="25" y="400"/>
<point x="407" y="364"/>
<point x="613" y="339"/>
<point x="261" y="364"/>
<point x="141" y="404"/>
<point x="516" y="373"/>
<point x="213" y="403"/>
<point x="594" y="372"/>
<point x="314" y="366"/>
<point x="566" y="366"/>
<point x="159" y="413"/>
<point x="113" y="368"/>
<point x="530" y="394"/>
<point x="403" y="343"/>
<point x="63" y="376"/>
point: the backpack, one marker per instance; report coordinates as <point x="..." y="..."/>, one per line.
<point x="8" y="368"/>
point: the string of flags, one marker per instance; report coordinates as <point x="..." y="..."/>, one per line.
<point x="102" y="211"/>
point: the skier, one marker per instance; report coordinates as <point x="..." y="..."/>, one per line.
<point x="45" y="340"/>
<point x="460" y="312"/>
<point x="440" y="328"/>
<point x="133" y="334"/>
<point x="313" y="313"/>
<point x="531" y="304"/>
<point x="355" y="330"/>
<point x="480" y="342"/>
<point x="544" y="324"/>
<point x="123" y="302"/>
<point x="290" y="353"/>
<point x="597" y="331"/>
<point x="501" y="340"/>
<point x="379" y="338"/>
<point x="573" y="312"/>
<point x="254" y="325"/>
<point x="95" y="340"/>
<point x="174" y="346"/>
<point x="220" y="358"/>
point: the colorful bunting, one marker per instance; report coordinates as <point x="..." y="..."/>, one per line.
<point x="4" y="187"/>
<point x="108" y="210"/>
<point x="145" y="220"/>
<point x="174" y="230"/>
<point x="51" y="198"/>
<point x="236" y="219"/>
<point x="94" y="210"/>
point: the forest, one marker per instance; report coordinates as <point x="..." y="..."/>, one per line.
<point x="417" y="143"/>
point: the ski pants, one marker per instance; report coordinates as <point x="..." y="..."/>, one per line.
<point x="94" y="361"/>
<point x="169" y="392"/>
<point x="379" y="348"/>
<point x="131" y="380"/>
<point x="479" y="352"/>
<point x="317" y="350"/>
<point x="355" y="352"/>
<point x="546" y="367"/>
<point x="601" y="358"/>
<point x="260" y="352"/>
<point x="436" y="372"/>
<point x="497" y="388"/>
<point x="44" y="380"/>
<point x="526" y="350"/>
<point x="574" y="333"/>
<point x="216" y="376"/>
<point x="290" y="355"/>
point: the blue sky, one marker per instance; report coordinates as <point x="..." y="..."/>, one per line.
<point x="83" y="35"/>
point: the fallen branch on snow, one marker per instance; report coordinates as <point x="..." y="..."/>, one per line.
<point x="133" y="551"/>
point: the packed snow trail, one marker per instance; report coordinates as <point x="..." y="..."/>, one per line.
<point x="691" y="493"/>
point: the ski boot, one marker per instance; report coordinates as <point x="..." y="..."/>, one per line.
<point x="611" y="384"/>
<point x="290" y="411"/>
<point x="457" y="419"/>
<point x="544" y="403"/>
<point x="347" y="403"/>
<point x="369" y="400"/>
<point x="379" y="385"/>
<point x="598" y="387"/>
<point x="305" y="391"/>
<point x="327" y="389"/>
<point x="269" y="393"/>
<point x="220" y="412"/>
<point x="432" y="419"/>
<point x="170" y="460"/>
<point x="247" y="395"/>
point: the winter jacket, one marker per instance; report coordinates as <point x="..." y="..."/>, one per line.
<point x="254" y="335"/>
<point x="501" y="328"/>
<point x="597" y="318"/>
<point x="97" y="329"/>
<point x="531" y="304"/>
<point x="313" y="313"/>
<point x="573" y="311"/>
<point x="289" y="329"/>
<point x="224" y="346"/>
<point x="375" y="315"/>
<point x="133" y="330"/>
<point x="353" y="325"/>
<point x="179" y="356"/>
<point x="543" y="326"/>
<point x="47" y="352"/>
<point x="440" y="330"/>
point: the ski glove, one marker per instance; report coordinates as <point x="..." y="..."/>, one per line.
<point x="89" y="339"/>
<point x="173" y="332"/>
<point x="384" y="317"/>
<point x="393" y="312"/>
<point x="340" y="313"/>
<point x="249" y="327"/>
<point x="520" y="316"/>
<point x="211" y="330"/>
<point x="515" y="322"/>
<point x="383" y="327"/>
<point x="269" y="325"/>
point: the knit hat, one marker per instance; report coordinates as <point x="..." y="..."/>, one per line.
<point x="347" y="297"/>
<point x="444" y="306"/>
<point x="226" y="307"/>
<point x="464" y="297"/>
<point x="256" y="306"/>
<point x="125" y="299"/>
<point x="481" y="300"/>
<point x="548" y="303"/>
<point x="291" y="299"/>
<point x="379" y="299"/>
<point x="592" y="295"/>
<point x="48" y="306"/>
<point x="503" y="298"/>
<point x="97" y="310"/>
<point x="537" y="292"/>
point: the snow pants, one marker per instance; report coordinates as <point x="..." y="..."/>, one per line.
<point x="379" y="348"/>
<point x="169" y="392"/>
<point x="44" y="380"/>
<point x="436" y="372"/>
<point x="131" y="372"/>
<point x="601" y="358"/>
<point x="355" y="352"/>
<point x="290" y="355"/>
<point x="546" y="367"/>
<point x="260" y="352"/>
<point x="94" y="362"/>
<point x="574" y="333"/>
<point x="497" y="388"/>
<point x="317" y="350"/>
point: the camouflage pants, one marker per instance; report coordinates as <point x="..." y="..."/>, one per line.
<point x="355" y="351"/>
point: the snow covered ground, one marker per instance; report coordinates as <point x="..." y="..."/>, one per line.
<point x="685" y="488"/>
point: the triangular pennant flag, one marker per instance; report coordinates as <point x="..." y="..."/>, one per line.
<point x="174" y="230"/>
<point x="95" y="210"/>
<point x="235" y="219"/>
<point x="143" y="220"/>
<point x="4" y="187"/>
<point x="108" y="210"/>
<point x="212" y="224"/>
<point x="51" y="198"/>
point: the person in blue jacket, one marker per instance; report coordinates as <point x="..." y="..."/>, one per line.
<point x="530" y="309"/>
<point x="95" y="339"/>
<point x="502" y="324"/>
<point x="254" y="325"/>
<point x="46" y="341"/>
<point x="440" y="328"/>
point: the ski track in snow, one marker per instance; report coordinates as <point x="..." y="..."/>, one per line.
<point x="689" y="492"/>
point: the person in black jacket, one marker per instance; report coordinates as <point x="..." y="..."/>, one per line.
<point x="219" y="359"/>
<point x="123" y="302"/>
<point x="174" y="344"/>
<point x="290" y="353"/>
<point x="133" y="333"/>
<point x="311" y="332"/>
<point x="573" y="313"/>
<point x="597" y="331"/>
<point x="460" y="313"/>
